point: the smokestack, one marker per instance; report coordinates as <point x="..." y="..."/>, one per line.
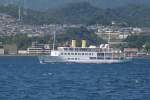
<point x="83" y="43"/>
<point x="73" y="44"/>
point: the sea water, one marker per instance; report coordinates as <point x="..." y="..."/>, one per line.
<point x="23" y="78"/>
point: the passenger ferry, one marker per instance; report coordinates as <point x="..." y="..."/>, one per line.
<point x="84" y="54"/>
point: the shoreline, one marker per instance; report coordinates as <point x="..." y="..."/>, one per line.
<point x="19" y="55"/>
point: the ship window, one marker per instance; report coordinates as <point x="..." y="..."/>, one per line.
<point x="65" y="53"/>
<point x="71" y="49"/>
<point x="68" y="53"/>
<point x="82" y="53"/>
<point x="100" y="54"/>
<point x="61" y="53"/>
<point x="75" y="53"/>
<point x="75" y="58"/>
<point x="76" y="49"/>
<point x="100" y="57"/>
<point x="86" y="53"/>
<point x="89" y="50"/>
<point x="72" y="53"/>
<point x="80" y="49"/>
<point x="83" y="49"/>
<point x="92" y="57"/>
<point x="65" y="49"/>
<point x="89" y="53"/>
<point x="79" y="54"/>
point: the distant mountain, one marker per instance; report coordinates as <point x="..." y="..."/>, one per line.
<point x="82" y="12"/>
<point x="85" y="13"/>
<point x="45" y="4"/>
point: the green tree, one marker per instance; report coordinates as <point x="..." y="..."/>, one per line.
<point x="147" y="46"/>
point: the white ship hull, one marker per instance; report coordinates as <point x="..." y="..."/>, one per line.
<point x="58" y="59"/>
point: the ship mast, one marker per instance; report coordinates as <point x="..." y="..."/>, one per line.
<point x="19" y="13"/>
<point x="54" y="40"/>
<point x="109" y="38"/>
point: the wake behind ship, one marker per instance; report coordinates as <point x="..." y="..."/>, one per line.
<point x="84" y="54"/>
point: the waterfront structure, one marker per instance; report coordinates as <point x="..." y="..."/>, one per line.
<point x="135" y="52"/>
<point x="22" y="52"/>
<point x="131" y="52"/>
<point x="1" y="50"/>
<point x="11" y="49"/>
<point x="38" y="49"/>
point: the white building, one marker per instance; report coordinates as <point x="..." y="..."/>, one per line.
<point x="22" y="52"/>
<point x="1" y="51"/>
<point x="38" y="49"/>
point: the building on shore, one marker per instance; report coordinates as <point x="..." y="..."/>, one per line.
<point x="22" y="52"/>
<point x="131" y="52"/>
<point x="10" y="49"/>
<point x="1" y="50"/>
<point x="38" y="49"/>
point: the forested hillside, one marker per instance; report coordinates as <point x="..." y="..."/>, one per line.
<point x="85" y="13"/>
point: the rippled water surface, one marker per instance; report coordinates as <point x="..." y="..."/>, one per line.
<point x="23" y="78"/>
